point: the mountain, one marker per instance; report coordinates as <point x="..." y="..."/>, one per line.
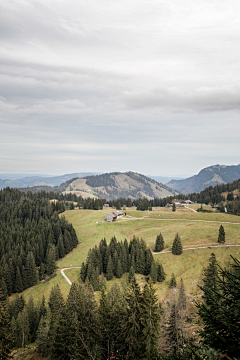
<point x="116" y="185"/>
<point x="37" y="180"/>
<point x="164" y="179"/>
<point x="210" y="176"/>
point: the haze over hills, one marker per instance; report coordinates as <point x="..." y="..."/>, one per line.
<point x="210" y="176"/>
<point x="23" y="181"/>
<point x="116" y="185"/>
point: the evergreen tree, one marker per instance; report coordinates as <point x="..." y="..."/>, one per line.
<point x="221" y="235"/>
<point x="173" y="283"/>
<point x="159" y="245"/>
<point x="173" y="330"/>
<point x="22" y="326"/>
<point x="118" y="207"/>
<point x="160" y="273"/>
<point x="18" y="282"/>
<point x="182" y="300"/>
<point x="5" y="329"/>
<point x="41" y="271"/>
<point x="153" y="272"/>
<point x="133" y="321"/>
<point x="151" y="321"/>
<point x="148" y="261"/>
<point x="177" y="246"/>
<point x="220" y="312"/>
<point x="83" y="272"/>
<point x="131" y="274"/>
<point x="33" y="319"/>
<point x="174" y="207"/>
<point x="109" y="269"/>
<point x="30" y="270"/>
<point x="210" y="274"/>
<point x="119" y="271"/>
<point x="50" y="261"/>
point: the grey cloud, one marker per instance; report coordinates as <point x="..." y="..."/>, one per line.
<point x="204" y="99"/>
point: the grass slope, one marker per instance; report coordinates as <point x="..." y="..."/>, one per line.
<point x="195" y="229"/>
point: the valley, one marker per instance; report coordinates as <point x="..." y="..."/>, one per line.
<point x="196" y="229"/>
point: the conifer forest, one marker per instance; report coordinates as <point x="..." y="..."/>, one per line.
<point x="100" y="321"/>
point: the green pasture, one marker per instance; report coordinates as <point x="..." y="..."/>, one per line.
<point x="91" y="228"/>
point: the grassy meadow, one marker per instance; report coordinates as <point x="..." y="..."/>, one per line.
<point x="195" y="229"/>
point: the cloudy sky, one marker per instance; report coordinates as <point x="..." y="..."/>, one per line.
<point x="151" y="86"/>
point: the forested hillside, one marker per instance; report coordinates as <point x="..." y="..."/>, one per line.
<point x="210" y="176"/>
<point x="32" y="238"/>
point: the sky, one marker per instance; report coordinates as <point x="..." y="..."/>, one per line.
<point x="151" y="86"/>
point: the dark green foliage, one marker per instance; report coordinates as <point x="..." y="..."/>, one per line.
<point x="116" y="259"/>
<point x="221" y="235"/>
<point x="174" y="207"/>
<point x="182" y="300"/>
<point x="29" y="227"/>
<point x="109" y="274"/>
<point x="220" y="312"/>
<point x="50" y="260"/>
<point x="173" y="330"/>
<point x="161" y="276"/>
<point x="5" y="329"/>
<point x="159" y="245"/>
<point x="177" y="246"/>
<point x="153" y="272"/>
<point x="210" y="274"/>
<point x="131" y="274"/>
<point x="173" y="281"/>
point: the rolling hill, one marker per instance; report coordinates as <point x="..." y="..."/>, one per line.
<point x="116" y="185"/>
<point x="33" y="180"/>
<point x="210" y="176"/>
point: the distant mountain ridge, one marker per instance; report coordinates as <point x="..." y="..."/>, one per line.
<point x="36" y="180"/>
<point x="116" y="185"/>
<point x="210" y="176"/>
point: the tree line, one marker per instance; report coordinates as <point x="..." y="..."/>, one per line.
<point x="129" y="322"/>
<point x="118" y="258"/>
<point x="32" y="238"/>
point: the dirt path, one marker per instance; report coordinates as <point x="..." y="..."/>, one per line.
<point x="65" y="276"/>
<point x="154" y="253"/>
<point x="194" y="248"/>
<point x="161" y="219"/>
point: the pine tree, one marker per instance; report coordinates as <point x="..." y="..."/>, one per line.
<point x="5" y="329"/>
<point x="153" y="272"/>
<point x="30" y="270"/>
<point x="133" y="321"/>
<point x="18" y="282"/>
<point x="159" y="245"/>
<point x="160" y="273"/>
<point x="151" y="321"/>
<point x="131" y="274"/>
<point x="109" y="274"/>
<point x="50" y="261"/>
<point x="33" y="319"/>
<point x="182" y="300"/>
<point x="173" y="281"/>
<point x="221" y="235"/>
<point x="41" y="271"/>
<point x="174" y="207"/>
<point x="22" y="325"/>
<point x="119" y="271"/>
<point x="173" y="330"/>
<point x="177" y="246"/>
<point x="220" y="312"/>
<point x="210" y="274"/>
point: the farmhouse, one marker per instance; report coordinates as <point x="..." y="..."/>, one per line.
<point x="114" y="215"/>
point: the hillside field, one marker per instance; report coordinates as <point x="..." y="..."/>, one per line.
<point x="195" y="229"/>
